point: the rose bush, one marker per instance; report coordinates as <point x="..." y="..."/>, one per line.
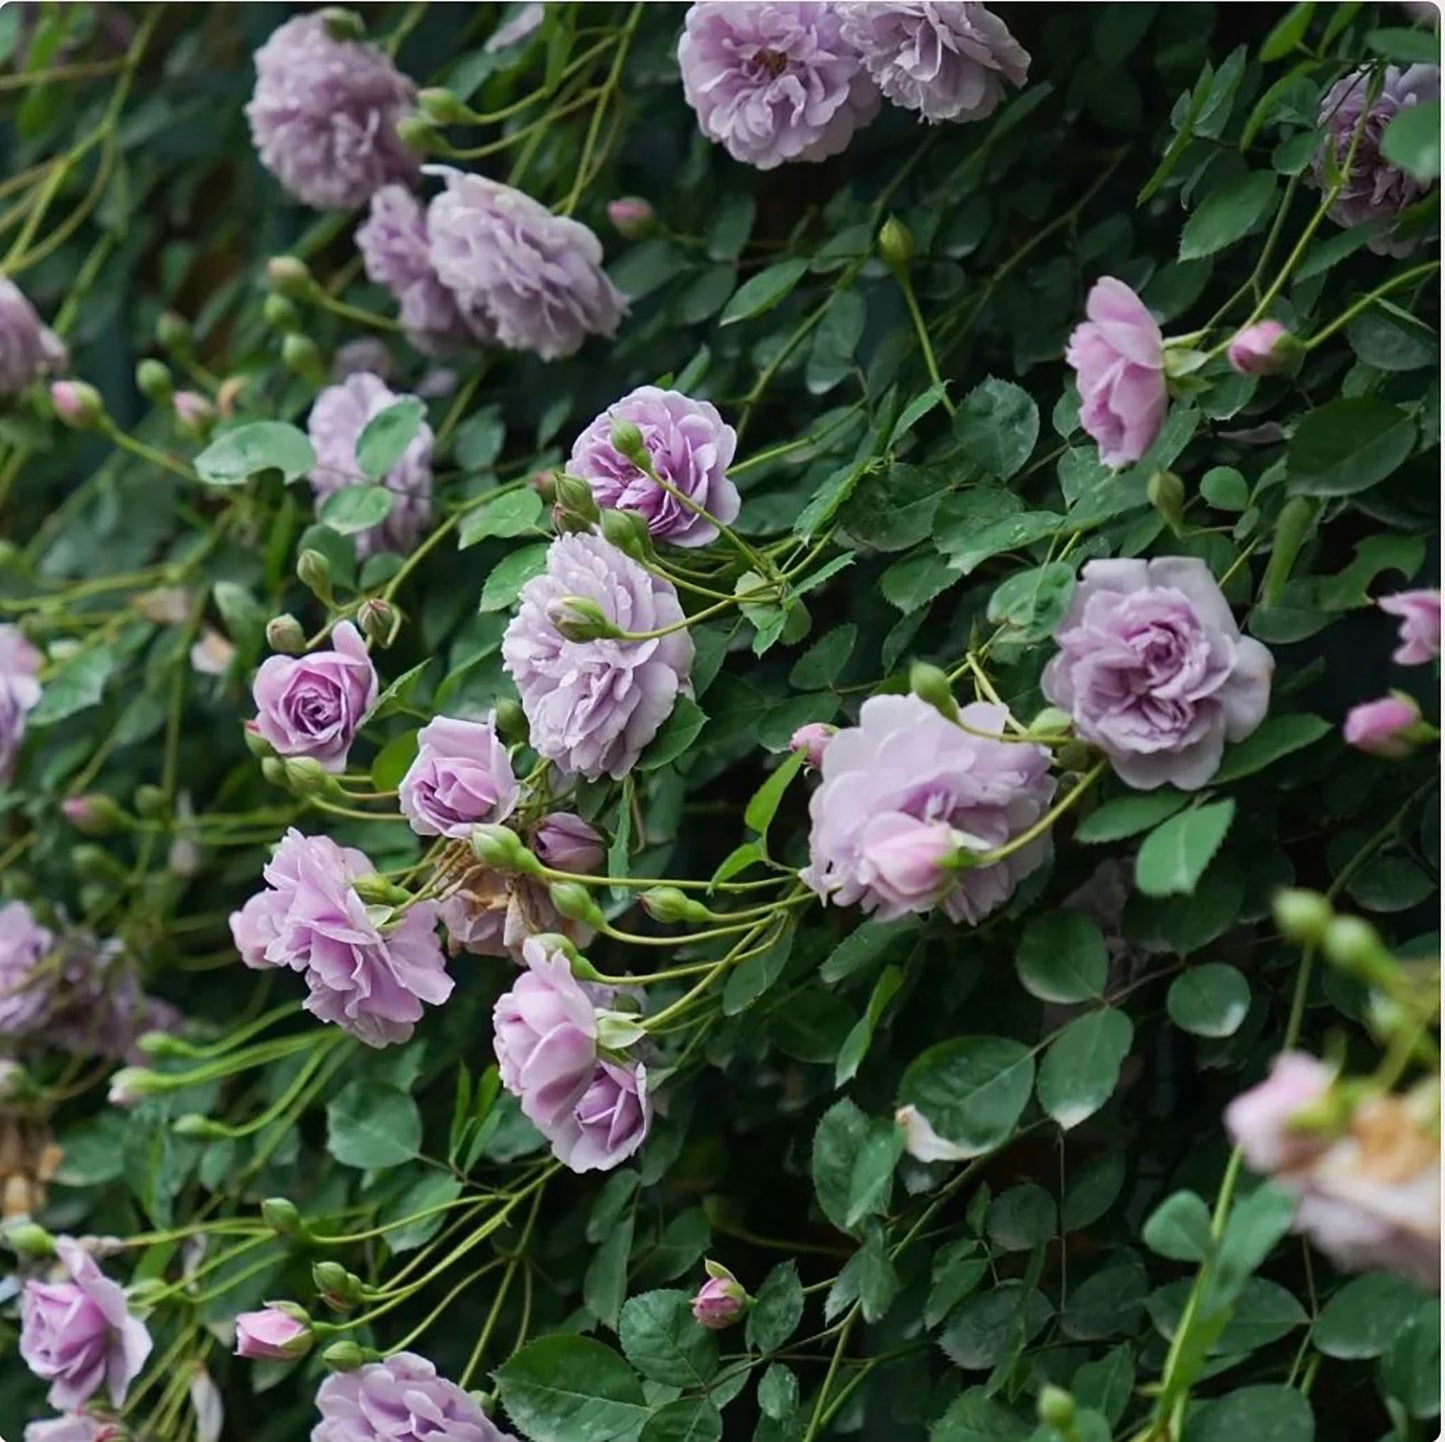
<point x="719" y="720"/>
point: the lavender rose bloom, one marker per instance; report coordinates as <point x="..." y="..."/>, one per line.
<point x="567" y="843"/>
<point x="323" y="115"/>
<point x="1258" y="1120"/>
<point x="607" y="1123"/>
<point x="544" y="1034"/>
<point x="26" y="986"/>
<point x="399" y="1400"/>
<point x="1385" y="727"/>
<point x="312" y="705"/>
<point x="78" y="1334"/>
<point x="522" y="277"/>
<point x="29" y="349"/>
<point x="76" y="1427"/>
<point x="271" y="1335"/>
<point x="719" y="1302"/>
<point x="369" y="977"/>
<point x="337" y="420"/>
<point x="462" y="775"/>
<point x="1419" y="615"/>
<point x="1118" y="355"/>
<point x="395" y="246"/>
<point x="593" y="705"/>
<point x="946" y="59"/>
<point x="19" y="693"/>
<point x="1154" y="672"/>
<point x="1374" y="188"/>
<point x="774" y="81"/>
<point x="689" y="446"/>
<point x="905" y="788"/>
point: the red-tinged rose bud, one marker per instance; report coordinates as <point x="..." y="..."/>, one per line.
<point x="631" y="217"/>
<point x="77" y="404"/>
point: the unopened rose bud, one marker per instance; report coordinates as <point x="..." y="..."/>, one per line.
<point x="1354" y="945"/>
<point x="1262" y="349"/>
<point x="627" y="438"/>
<point x="285" y="633"/>
<point x="500" y="848"/>
<point x="895" y="244"/>
<point x="1302" y="916"/>
<point x="378" y="620"/>
<point x="173" y="331"/>
<point x="95" y="863"/>
<point x="348" y="1356"/>
<point x="149" y="801"/>
<point x="1056" y="1407"/>
<point x="280" y="313"/>
<point x="92" y="814"/>
<point x="811" y="741"/>
<point x="575" y="498"/>
<point x="631" y="217"/>
<point x="577" y="618"/>
<point x="193" y="414"/>
<point x="1051" y="721"/>
<point x="275" y="1334"/>
<point x="510" y="721"/>
<point x="669" y="904"/>
<point x="376" y="890"/>
<point x="313" y="570"/>
<point x="545" y="485"/>
<point x="305" y="776"/>
<point x="132" y="1084"/>
<point x="1166" y="494"/>
<point x="930" y="684"/>
<point x="343" y="24"/>
<point x="574" y="901"/>
<point x="302" y="356"/>
<point x="193" y="1124"/>
<point x="273" y="770"/>
<point x="441" y="106"/>
<point x="565" y="842"/>
<point x="282" y="1216"/>
<point x="339" y="1288"/>
<point x="256" y="743"/>
<point x="628" y="532"/>
<point x="289" y="276"/>
<point x="154" y="381"/>
<point x="1390" y="727"/>
<point x="721" y="1300"/>
<point x="14" y="1080"/>
<point x="416" y="133"/>
<point x="77" y="404"/>
<point x="29" y="1239"/>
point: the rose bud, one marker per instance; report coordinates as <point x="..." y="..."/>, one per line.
<point x="721" y="1300"/>
<point x="77" y="404"/>
<point x="565" y="842"/>
<point x="1261" y="349"/>
<point x="1389" y="727"/>
<point x="631" y="217"/>
<point x="273" y="1335"/>
<point x="812" y="741"/>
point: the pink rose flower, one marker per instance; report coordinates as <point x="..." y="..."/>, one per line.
<point x="1419" y="613"/>
<point x="1384" y="727"/>
<point x="462" y="775"/>
<point x="1259" y="1120"/>
<point x="78" y="1334"/>
<point x="1261" y="349"/>
<point x="812" y="740"/>
<point x="607" y="1123"/>
<point x="313" y="705"/>
<point x="1118" y="353"/>
<point x="271" y="1335"/>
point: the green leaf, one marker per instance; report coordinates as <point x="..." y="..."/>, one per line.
<point x="604" y="1284"/>
<point x="663" y="1341"/>
<point x="1229" y="214"/>
<point x="1261" y="1414"/>
<point x="393" y="761"/>
<point x="968" y="550"/>
<point x="750" y="979"/>
<point x="371" y="1126"/>
<point x="856" y="1043"/>
<point x="513" y="513"/>
<point x="1412" y="140"/>
<point x="1224" y="488"/>
<point x="778" y="1392"/>
<point x="1365" y="1316"/>
<point x="571" y="1389"/>
<point x="1178" y="1228"/>
<point x="853" y="1160"/>
<point x="1061" y="957"/>
<point x="868" y="1277"/>
<point x="764" y="291"/>
<point x="357" y="508"/>
<point x="479" y="439"/>
<point x="1411" y="1368"/>
<point x="1022" y="1218"/>
<point x="972" y="1089"/>
<point x="988" y="1325"/>
<point x="1278" y="737"/>
<point x="76" y="686"/>
<point x="1129" y="815"/>
<point x="387" y="434"/>
<point x="777" y="1308"/>
<point x="246" y="450"/>
<point x="732" y="224"/>
<point x="865" y="945"/>
<point x="1174" y="855"/>
<point x="956" y="1272"/>
<point x="429" y="1190"/>
<point x="1348" y="446"/>
<point x="1210" y="1000"/>
<point x="916" y="580"/>
<point x="510" y="574"/>
<point x="1081" y="1067"/>
<point x="997" y="427"/>
<point x="398" y="694"/>
<point x="688" y="1419"/>
<point x="765" y="801"/>
<point x="676" y="734"/>
<point x="1391" y="339"/>
<point x="1287" y="32"/>
<point x="916" y="409"/>
<point x="1033" y="602"/>
<point x="976" y="1417"/>
<point x="820" y="665"/>
<point x="1108" y="1384"/>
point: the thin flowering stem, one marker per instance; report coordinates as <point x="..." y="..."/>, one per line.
<point x="1397" y="282"/>
<point x="1044" y="824"/>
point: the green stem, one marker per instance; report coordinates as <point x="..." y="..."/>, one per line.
<point x="1418" y="272"/>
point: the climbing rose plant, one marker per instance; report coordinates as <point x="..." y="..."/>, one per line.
<point x="719" y="720"/>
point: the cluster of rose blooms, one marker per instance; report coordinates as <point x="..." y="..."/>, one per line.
<point x="915" y="810"/>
